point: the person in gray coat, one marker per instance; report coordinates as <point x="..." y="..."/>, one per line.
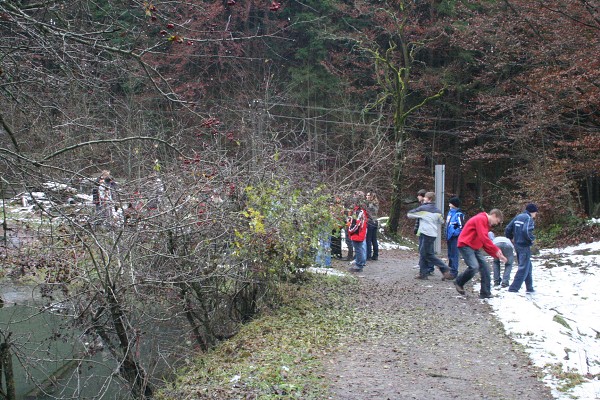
<point x="430" y="220"/>
<point x="508" y="250"/>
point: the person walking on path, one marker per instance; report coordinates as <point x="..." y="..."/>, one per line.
<point x="455" y="221"/>
<point x="420" y="198"/>
<point x="508" y="250"/>
<point x="520" y="231"/>
<point x="372" y="226"/>
<point x="473" y="238"/>
<point x="430" y="219"/>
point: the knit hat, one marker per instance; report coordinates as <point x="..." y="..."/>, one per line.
<point x="421" y="192"/>
<point x="531" y="208"/>
<point x="455" y="201"/>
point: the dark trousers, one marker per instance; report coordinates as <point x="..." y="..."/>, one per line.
<point x="453" y="255"/>
<point x="349" y="245"/>
<point x="427" y="256"/>
<point x="475" y="260"/>
<point x="336" y="244"/>
<point x="430" y="267"/>
<point x="372" y="245"/>
<point x="524" y="273"/>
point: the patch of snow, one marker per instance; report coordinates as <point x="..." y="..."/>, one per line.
<point x="392" y="246"/>
<point x="325" y="271"/>
<point x="559" y="324"/>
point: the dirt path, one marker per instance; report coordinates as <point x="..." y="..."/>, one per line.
<point x="445" y="346"/>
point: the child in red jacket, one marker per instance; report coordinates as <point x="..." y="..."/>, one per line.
<point x="357" y="230"/>
<point x="474" y="238"/>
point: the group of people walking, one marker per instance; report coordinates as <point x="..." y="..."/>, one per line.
<point x="472" y="239"/>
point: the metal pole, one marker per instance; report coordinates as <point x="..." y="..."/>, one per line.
<point x="440" y="194"/>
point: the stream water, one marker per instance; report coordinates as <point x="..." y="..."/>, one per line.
<point x="49" y="356"/>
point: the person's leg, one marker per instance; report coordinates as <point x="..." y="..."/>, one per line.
<point x="529" y="277"/>
<point x="423" y="262"/>
<point x="375" y="254"/>
<point x="369" y="242"/>
<point x="350" y="246"/>
<point x="431" y="258"/>
<point x="523" y="256"/>
<point x="336" y="244"/>
<point x="468" y="255"/>
<point x="453" y="255"/>
<point x="429" y="268"/>
<point x="360" y="249"/>
<point x="510" y="258"/>
<point x="496" y="269"/>
<point x="484" y="272"/>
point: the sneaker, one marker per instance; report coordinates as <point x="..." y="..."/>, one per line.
<point x="424" y="278"/>
<point x="431" y="273"/>
<point x="355" y="269"/>
<point x="504" y="285"/>
<point x="488" y="296"/>
<point x="497" y="283"/>
<point x="530" y="291"/>
<point x="374" y="259"/>
<point x="459" y="288"/>
<point x="352" y="262"/>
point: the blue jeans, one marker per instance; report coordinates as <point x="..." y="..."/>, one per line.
<point x="453" y="255"/>
<point x="430" y="268"/>
<point x="524" y="272"/>
<point x="510" y="258"/>
<point x="323" y="257"/>
<point x="372" y="245"/>
<point x="427" y="256"/>
<point x="360" y="251"/>
<point x="475" y="260"/>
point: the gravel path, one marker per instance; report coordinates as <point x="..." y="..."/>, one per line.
<point x="443" y="345"/>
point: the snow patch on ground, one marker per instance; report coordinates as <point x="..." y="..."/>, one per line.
<point x="559" y="324"/>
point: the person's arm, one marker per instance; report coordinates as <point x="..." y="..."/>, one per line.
<point x="415" y="213"/>
<point x="488" y="245"/>
<point x="509" y="231"/>
<point x="461" y="220"/>
<point x="530" y="228"/>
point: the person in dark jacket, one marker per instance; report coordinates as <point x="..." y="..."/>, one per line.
<point x="455" y="220"/>
<point x="520" y="231"/>
<point x="372" y="226"/>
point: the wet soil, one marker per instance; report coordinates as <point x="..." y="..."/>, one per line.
<point x="444" y="345"/>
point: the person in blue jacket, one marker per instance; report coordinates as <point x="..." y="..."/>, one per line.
<point x="520" y="231"/>
<point x="455" y="220"/>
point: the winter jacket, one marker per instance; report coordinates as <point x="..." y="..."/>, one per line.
<point x="520" y="230"/>
<point x="455" y="220"/>
<point x="430" y="218"/>
<point x="372" y="209"/>
<point x="357" y="225"/>
<point x="475" y="235"/>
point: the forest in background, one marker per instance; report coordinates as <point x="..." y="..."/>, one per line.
<point x="504" y="93"/>
<point x="274" y="108"/>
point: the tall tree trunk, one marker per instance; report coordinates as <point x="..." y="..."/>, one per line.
<point x="397" y="185"/>
<point x="6" y="370"/>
